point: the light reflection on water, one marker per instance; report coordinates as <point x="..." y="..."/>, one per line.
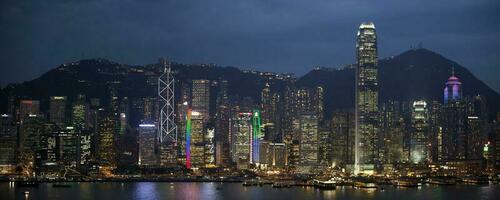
<point x="186" y="190"/>
<point x="145" y="190"/>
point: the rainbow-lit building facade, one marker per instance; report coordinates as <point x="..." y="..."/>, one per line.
<point x="188" y="139"/>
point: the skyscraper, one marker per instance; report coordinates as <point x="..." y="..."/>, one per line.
<point x="27" y="108"/>
<point x="222" y="125"/>
<point x="196" y="144"/>
<point x="57" y="110"/>
<point x="342" y="140"/>
<point x="167" y="129"/>
<point x="419" y="151"/>
<point x="256" y="136"/>
<point x="8" y="139"/>
<point x="200" y="97"/>
<point x="452" y="89"/>
<point x="147" y="141"/>
<point x="366" y="153"/>
<point x="454" y="138"/>
<point x="308" y="141"/>
<point x="242" y="130"/>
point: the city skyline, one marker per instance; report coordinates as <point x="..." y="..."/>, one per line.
<point x="374" y="128"/>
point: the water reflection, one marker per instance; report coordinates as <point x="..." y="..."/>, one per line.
<point x="162" y="190"/>
<point x="146" y="190"/>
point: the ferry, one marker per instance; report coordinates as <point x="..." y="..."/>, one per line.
<point x="325" y="185"/>
<point x="251" y="183"/>
<point x="405" y="183"/>
<point x="442" y="181"/>
<point x="476" y="180"/>
<point x="27" y="184"/>
<point x="282" y="184"/>
<point x="365" y="185"/>
<point x="61" y="185"/>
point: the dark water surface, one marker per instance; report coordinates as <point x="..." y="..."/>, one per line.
<point x="162" y="190"/>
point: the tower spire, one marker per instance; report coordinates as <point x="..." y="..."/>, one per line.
<point x="452" y="70"/>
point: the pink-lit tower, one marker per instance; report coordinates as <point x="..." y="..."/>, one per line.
<point x="452" y="89"/>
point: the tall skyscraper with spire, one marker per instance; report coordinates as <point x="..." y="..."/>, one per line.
<point x="366" y="138"/>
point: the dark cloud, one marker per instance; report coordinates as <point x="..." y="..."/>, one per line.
<point x="270" y="35"/>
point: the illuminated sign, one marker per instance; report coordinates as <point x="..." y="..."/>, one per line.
<point x="146" y="125"/>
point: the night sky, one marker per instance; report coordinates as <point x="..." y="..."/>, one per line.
<point x="268" y="35"/>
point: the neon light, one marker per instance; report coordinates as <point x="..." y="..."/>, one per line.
<point x="256" y="130"/>
<point x="146" y="125"/>
<point x="188" y="139"/>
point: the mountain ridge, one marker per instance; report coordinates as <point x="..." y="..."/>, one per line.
<point x="413" y="74"/>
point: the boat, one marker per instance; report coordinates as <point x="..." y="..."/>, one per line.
<point x="250" y="183"/>
<point x="27" y="184"/>
<point x="442" y="181"/>
<point x="365" y="185"/>
<point x="405" y="183"/>
<point x="281" y="184"/>
<point x="476" y="180"/>
<point x="61" y="185"/>
<point x="325" y="185"/>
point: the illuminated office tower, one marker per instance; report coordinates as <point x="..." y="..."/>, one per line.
<point x="48" y="146"/>
<point x="454" y="140"/>
<point x="453" y="89"/>
<point x="366" y="111"/>
<point x="419" y="140"/>
<point x="79" y="113"/>
<point x="222" y="126"/>
<point x="269" y="114"/>
<point x="181" y="118"/>
<point x="325" y="142"/>
<point x="147" y="141"/>
<point x="256" y="136"/>
<point x="264" y="154"/>
<point x="68" y="146"/>
<point x="196" y="145"/>
<point x="27" y="108"/>
<point x="124" y="115"/>
<point x="288" y="112"/>
<point x="436" y="130"/>
<point x="57" y="110"/>
<point x="200" y="97"/>
<point x="476" y="126"/>
<point x="308" y="141"/>
<point x="8" y="144"/>
<point x="303" y="101"/>
<point x="167" y="129"/>
<point x="242" y="133"/>
<point x="393" y="127"/>
<point x="277" y="154"/>
<point x="188" y="138"/>
<point x="85" y="147"/>
<point x="209" y="150"/>
<point x="267" y="105"/>
<point x="106" y="138"/>
<point x="29" y="143"/>
<point x="342" y="128"/>
<point x="317" y="99"/>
